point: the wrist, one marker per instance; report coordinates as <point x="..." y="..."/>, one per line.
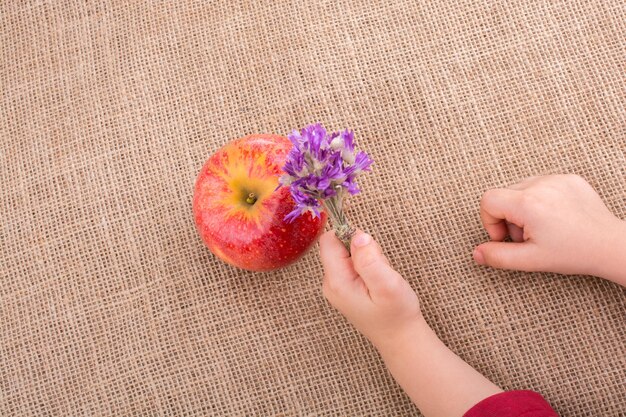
<point x="414" y="333"/>
<point x="610" y="257"/>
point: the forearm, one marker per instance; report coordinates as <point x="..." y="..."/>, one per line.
<point x="439" y="382"/>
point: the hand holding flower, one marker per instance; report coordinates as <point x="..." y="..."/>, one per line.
<point x="368" y="291"/>
<point x="384" y="308"/>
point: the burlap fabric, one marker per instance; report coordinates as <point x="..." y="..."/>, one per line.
<point x="111" y="305"/>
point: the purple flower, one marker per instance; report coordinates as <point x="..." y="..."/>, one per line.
<point x="322" y="166"/>
<point x="348" y="140"/>
<point x="295" y="163"/>
<point x="362" y="162"/>
<point x="296" y="138"/>
<point x="314" y="135"/>
<point x="351" y="186"/>
<point x="304" y="203"/>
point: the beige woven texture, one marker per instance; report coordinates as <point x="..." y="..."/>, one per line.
<point x="111" y="305"/>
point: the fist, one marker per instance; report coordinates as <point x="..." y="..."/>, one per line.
<point x="556" y="223"/>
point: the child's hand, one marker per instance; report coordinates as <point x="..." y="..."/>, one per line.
<point x="367" y="291"/>
<point x="557" y="223"/>
<point x="384" y="308"/>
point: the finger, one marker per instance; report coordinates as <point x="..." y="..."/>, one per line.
<point x="338" y="269"/>
<point x="516" y="232"/>
<point x="508" y="255"/>
<point x="373" y="267"/>
<point x="496" y="206"/>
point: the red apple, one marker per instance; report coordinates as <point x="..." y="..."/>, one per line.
<point x="239" y="212"/>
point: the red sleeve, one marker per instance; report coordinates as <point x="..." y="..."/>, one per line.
<point x="512" y="404"/>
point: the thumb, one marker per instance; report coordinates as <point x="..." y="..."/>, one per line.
<point x="373" y="267"/>
<point x="507" y="255"/>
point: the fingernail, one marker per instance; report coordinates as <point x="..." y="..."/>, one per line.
<point x="361" y="240"/>
<point x="478" y="257"/>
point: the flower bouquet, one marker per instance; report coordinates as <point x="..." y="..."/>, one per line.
<point x="321" y="172"/>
